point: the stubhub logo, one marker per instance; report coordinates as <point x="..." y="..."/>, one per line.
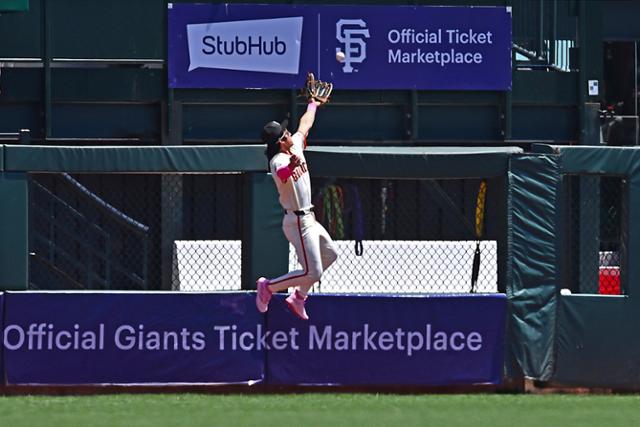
<point x="265" y="45"/>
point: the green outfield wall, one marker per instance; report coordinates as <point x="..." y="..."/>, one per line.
<point x="595" y="340"/>
<point x="576" y="339"/>
<point x="263" y="212"/>
<point x="88" y="81"/>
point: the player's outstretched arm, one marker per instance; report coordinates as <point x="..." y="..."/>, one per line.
<point x="307" y="119"/>
<point x="318" y="93"/>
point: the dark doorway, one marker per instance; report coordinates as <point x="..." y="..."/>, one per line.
<point x="620" y="124"/>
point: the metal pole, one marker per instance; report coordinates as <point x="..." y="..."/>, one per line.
<point x="541" y="31"/>
<point x="293" y="100"/>
<point x="508" y="95"/>
<point x="554" y="32"/>
<point x="635" y="91"/>
<point x="582" y="71"/>
<point x="46" y="70"/>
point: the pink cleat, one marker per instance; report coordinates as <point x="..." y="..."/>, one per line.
<point x="295" y="301"/>
<point x="264" y="294"/>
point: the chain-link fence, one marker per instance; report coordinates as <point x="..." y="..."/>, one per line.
<point x="595" y="215"/>
<point x="184" y="232"/>
<point x="411" y="236"/>
<point x="135" y="231"/>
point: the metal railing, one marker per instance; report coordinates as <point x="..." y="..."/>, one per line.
<point x="79" y="250"/>
<point x="543" y="34"/>
<point x="185" y="235"/>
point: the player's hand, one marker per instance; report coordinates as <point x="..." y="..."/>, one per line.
<point x="316" y="90"/>
<point x="294" y="161"/>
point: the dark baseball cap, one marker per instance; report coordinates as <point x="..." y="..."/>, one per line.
<point x="273" y="131"/>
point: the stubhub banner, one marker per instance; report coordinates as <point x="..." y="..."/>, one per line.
<point x="275" y="42"/>
<point x="385" y="47"/>
<point x="173" y="338"/>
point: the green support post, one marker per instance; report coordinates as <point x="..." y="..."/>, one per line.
<point x="590" y="61"/>
<point x="14" y="229"/>
<point x="590" y="57"/>
<point x="265" y="250"/>
<point x="171" y="198"/>
<point x="46" y="72"/>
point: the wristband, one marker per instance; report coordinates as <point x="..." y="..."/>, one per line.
<point x="284" y="173"/>
<point x="312" y="107"/>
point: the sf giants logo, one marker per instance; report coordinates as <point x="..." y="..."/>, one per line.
<point x="351" y="33"/>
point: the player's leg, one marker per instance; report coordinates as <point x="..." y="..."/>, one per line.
<point x="301" y="234"/>
<point x="313" y="255"/>
<point x="313" y="261"/>
<point x="328" y="250"/>
<point x="266" y="287"/>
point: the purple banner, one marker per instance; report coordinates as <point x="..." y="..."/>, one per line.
<point x="127" y="338"/>
<point x="387" y="340"/>
<point x="1" y="342"/>
<point x="383" y="47"/>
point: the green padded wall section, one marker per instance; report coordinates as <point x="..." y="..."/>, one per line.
<point x="134" y="159"/>
<point x="410" y="162"/>
<point x="597" y="344"/>
<point x="373" y="162"/>
<point x="531" y="263"/>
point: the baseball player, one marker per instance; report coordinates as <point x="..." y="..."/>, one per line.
<point x="315" y="249"/>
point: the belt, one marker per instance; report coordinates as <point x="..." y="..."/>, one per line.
<point x="300" y="212"/>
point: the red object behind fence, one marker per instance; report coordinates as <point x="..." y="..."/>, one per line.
<point x="609" y="281"/>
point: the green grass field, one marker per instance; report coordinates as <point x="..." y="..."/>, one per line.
<point x="307" y="410"/>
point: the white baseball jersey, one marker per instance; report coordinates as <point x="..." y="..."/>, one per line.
<point x="314" y="247"/>
<point x="295" y="192"/>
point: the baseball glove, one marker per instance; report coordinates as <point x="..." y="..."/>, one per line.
<point x="317" y="90"/>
